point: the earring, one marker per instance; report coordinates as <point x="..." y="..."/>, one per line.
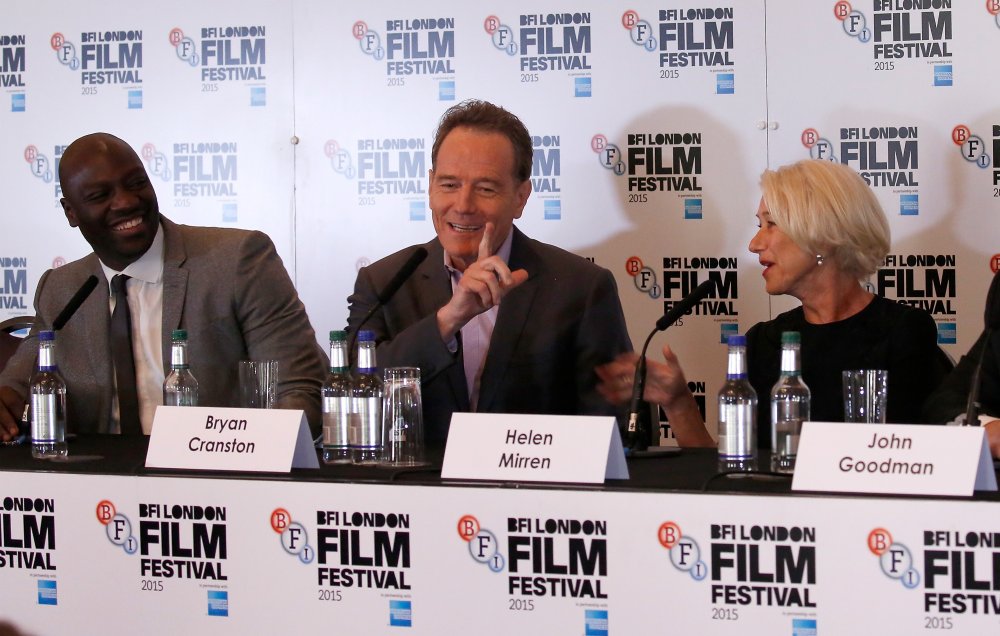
<point x="820" y="259"/>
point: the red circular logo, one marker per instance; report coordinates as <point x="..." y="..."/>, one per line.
<point x="280" y="519"/>
<point x="669" y="534"/>
<point x="105" y="511"/>
<point x="879" y="540"/>
<point x="809" y="137"/>
<point x="961" y="133"/>
<point x="468" y="527"/>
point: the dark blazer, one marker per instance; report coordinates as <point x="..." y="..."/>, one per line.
<point x="550" y="333"/>
<point x="227" y="287"/>
<point x="952" y="397"/>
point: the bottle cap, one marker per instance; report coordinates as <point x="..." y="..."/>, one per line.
<point x="737" y="340"/>
<point x="46" y="336"/>
<point x="366" y="335"/>
<point x="179" y="334"/>
<point x="790" y="337"/>
<point x="338" y="336"/>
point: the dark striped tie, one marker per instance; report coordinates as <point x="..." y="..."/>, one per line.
<point x="121" y="354"/>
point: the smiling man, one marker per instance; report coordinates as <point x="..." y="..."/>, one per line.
<point x="496" y="321"/>
<point x="226" y="287"/>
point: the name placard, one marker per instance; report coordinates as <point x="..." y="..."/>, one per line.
<point x="210" y="438"/>
<point x="515" y="447"/>
<point x="901" y="459"/>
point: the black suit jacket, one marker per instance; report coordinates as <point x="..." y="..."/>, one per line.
<point x="550" y="333"/>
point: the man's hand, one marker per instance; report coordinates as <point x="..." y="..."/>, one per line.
<point x="483" y="285"/>
<point x="11" y="410"/>
<point x="993" y="436"/>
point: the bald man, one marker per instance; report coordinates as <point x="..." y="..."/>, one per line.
<point x="226" y="287"/>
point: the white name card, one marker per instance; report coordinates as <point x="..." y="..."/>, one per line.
<point x="210" y="438"/>
<point x="553" y="448"/>
<point x="893" y="458"/>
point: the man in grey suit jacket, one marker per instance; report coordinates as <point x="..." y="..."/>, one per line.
<point x="226" y="287"/>
<point x="496" y="321"/>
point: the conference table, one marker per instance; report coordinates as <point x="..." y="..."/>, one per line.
<point x="99" y="544"/>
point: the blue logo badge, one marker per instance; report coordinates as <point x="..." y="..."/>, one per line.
<point x="218" y="603"/>
<point x="942" y="75"/>
<point x="803" y="627"/>
<point x="725" y="84"/>
<point x="728" y="329"/>
<point x="692" y="208"/>
<point x="595" y="622"/>
<point x="583" y="86"/>
<point x="258" y="96"/>
<point x="446" y="91"/>
<point x="135" y="99"/>
<point x="229" y="213"/>
<point x="909" y="204"/>
<point x="418" y="211"/>
<point x="553" y="209"/>
<point x="17" y="103"/>
<point x="47" y="592"/>
<point x="400" y="614"/>
<point x="947" y="333"/>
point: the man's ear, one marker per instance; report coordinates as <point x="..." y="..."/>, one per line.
<point x="68" y="211"/>
<point x="522" y="193"/>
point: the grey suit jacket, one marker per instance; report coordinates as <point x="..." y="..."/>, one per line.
<point x="550" y="333"/>
<point x="227" y="287"/>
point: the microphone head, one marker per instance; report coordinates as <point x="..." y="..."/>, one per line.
<point x="991" y="314"/>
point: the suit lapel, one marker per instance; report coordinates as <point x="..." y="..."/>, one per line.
<point x="175" y="279"/>
<point x="435" y="289"/>
<point x="511" y="318"/>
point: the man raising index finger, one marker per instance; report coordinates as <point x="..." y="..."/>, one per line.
<point x="534" y="352"/>
<point x="480" y="288"/>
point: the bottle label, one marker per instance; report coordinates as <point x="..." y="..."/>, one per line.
<point x="368" y="414"/>
<point x="336" y="421"/>
<point x="44" y="417"/>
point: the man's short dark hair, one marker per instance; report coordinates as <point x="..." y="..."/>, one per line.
<point x="486" y="117"/>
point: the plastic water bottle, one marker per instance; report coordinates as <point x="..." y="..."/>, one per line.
<point x="737" y="412"/>
<point x="365" y="433"/>
<point x="790" y="399"/>
<point x="337" y="403"/>
<point x="48" y="402"/>
<point x="180" y="388"/>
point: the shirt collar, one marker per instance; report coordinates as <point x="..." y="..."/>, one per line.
<point x="503" y="252"/>
<point x="148" y="267"/>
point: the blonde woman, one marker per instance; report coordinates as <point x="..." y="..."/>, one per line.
<point x="821" y="232"/>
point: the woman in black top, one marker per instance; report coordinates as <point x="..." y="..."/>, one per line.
<point x="821" y="232"/>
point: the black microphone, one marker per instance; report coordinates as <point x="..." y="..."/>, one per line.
<point x="74" y="303"/>
<point x="991" y="318"/>
<point x="639" y="442"/>
<point x="416" y="258"/>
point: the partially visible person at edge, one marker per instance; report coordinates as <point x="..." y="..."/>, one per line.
<point x="948" y="403"/>
<point x="821" y="232"/>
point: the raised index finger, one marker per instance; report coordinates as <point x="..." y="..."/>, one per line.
<point x="485" y="251"/>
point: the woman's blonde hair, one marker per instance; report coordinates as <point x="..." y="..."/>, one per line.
<point x="827" y="209"/>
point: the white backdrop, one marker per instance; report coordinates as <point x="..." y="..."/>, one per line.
<point x="653" y="122"/>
